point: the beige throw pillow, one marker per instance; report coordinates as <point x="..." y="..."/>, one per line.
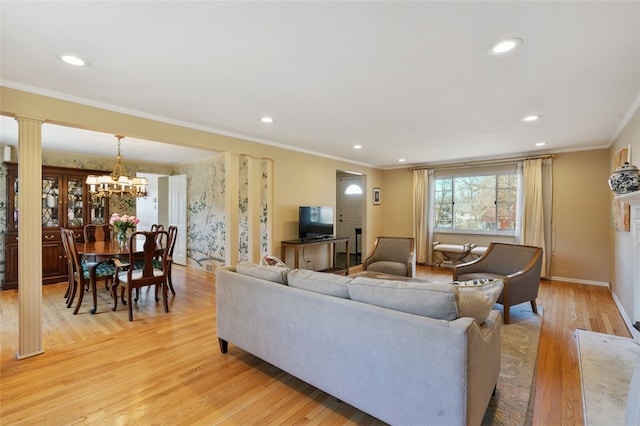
<point x="477" y="300"/>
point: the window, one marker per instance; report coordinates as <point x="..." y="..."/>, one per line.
<point x="480" y="202"/>
<point x="353" y="189"/>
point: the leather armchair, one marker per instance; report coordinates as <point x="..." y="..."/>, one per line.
<point x="517" y="265"/>
<point x="392" y="255"/>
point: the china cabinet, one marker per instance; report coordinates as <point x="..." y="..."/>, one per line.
<point x="65" y="203"/>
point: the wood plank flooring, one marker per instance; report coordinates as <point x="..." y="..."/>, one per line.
<point x="167" y="368"/>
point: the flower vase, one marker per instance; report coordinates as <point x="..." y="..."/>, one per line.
<point x="122" y="237"/>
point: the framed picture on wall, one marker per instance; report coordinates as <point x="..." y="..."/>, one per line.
<point x="376" y="196"/>
<point x="621" y="210"/>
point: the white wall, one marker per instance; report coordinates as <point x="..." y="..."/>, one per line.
<point x="147" y="208"/>
<point x="622" y="265"/>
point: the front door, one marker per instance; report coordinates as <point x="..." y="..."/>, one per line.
<point x="350" y="196"/>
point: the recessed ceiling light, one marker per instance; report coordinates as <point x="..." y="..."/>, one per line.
<point x="402" y="160"/>
<point x="530" y="118"/>
<point x="74" y="60"/>
<point x="357" y="147"/>
<point x="504" y="46"/>
<point x="267" y="119"/>
<point x="541" y="143"/>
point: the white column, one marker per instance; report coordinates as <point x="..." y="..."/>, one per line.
<point x="267" y="198"/>
<point x="30" y="237"/>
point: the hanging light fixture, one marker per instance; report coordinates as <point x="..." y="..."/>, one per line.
<point x="117" y="182"/>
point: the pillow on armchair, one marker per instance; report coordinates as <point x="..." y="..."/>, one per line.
<point x="476" y="298"/>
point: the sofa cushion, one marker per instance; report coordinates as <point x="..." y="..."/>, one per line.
<point x="319" y="282"/>
<point x="276" y="274"/>
<point x="477" y="300"/>
<point x="435" y="300"/>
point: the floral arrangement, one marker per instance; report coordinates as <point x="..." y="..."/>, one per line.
<point x="123" y="223"/>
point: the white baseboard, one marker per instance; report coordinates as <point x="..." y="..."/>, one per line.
<point x="578" y="281"/>
<point x="625" y="318"/>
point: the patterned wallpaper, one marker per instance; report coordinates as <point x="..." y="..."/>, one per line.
<point x="243" y="213"/>
<point x="206" y="235"/>
<point x="206" y="210"/>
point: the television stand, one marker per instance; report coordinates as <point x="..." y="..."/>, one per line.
<point x="331" y="242"/>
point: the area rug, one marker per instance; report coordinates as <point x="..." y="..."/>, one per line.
<point x="606" y="366"/>
<point x="512" y="404"/>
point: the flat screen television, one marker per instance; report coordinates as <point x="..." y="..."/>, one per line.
<point x="315" y="222"/>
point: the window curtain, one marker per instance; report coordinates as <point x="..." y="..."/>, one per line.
<point x="536" y="214"/>
<point x="420" y="214"/>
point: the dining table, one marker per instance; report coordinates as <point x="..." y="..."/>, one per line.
<point x="95" y="253"/>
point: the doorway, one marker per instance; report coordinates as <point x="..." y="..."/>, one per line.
<point x="350" y="202"/>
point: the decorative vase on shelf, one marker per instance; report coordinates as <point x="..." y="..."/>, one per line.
<point x="625" y="179"/>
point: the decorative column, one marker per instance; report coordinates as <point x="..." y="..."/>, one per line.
<point x="266" y="208"/>
<point x="30" y="237"/>
<point x="253" y="208"/>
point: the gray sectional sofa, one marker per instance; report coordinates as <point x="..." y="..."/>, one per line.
<point x="402" y="368"/>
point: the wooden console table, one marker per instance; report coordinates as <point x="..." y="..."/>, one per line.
<point x="302" y="243"/>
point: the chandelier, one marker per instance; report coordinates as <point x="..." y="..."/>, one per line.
<point x="117" y="182"/>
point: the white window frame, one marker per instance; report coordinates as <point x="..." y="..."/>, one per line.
<point x="477" y="171"/>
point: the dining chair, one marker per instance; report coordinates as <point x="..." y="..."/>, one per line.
<point x="157" y="227"/>
<point x="154" y="244"/>
<point x="94" y="232"/>
<point x="78" y="272"/>
<point x="173" y="233"/>
<point x="157" y="263"/>
<point x="70" y="294"/>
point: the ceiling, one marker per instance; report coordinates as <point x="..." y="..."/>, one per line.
<point x="70" y="139"/>
<point x="408" y="80"/>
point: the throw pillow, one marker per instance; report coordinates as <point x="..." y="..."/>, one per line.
<point x="435" y="300"/>
<point x="470" y="283"/>
<point x="268" y="260"/>
<point x="477" y="300"/>
<point x="320" y="282"/>
<point x="276" y="274"/>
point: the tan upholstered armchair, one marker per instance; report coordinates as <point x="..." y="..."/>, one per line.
<point x="517" y="265"/>
<point x="392" y="255"/>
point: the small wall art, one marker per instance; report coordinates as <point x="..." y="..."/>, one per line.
<point x="376" y="196"/>
<point x="621" y="210"/>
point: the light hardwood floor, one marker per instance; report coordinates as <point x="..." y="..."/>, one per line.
<point x="167" y="368"/>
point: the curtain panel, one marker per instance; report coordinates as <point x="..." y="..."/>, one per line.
<point x="537" y="208"/>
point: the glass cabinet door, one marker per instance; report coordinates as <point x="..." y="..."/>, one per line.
<point x="50" y="201"/>
<point x="75" y="202"/>
<point x="15" y="202"/>
<point x="97" y="213"/>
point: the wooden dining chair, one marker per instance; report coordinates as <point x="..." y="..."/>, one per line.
<point x="157" y="263"/>
<point x="154" y="244"/>
<point x="173" y="233"/>
<point x="93" y="232"/>
<point x="103" y="232"/>
<point x="157" y="227"/>
<point x="70" y="294"/>
<point x="78" y="273"/>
